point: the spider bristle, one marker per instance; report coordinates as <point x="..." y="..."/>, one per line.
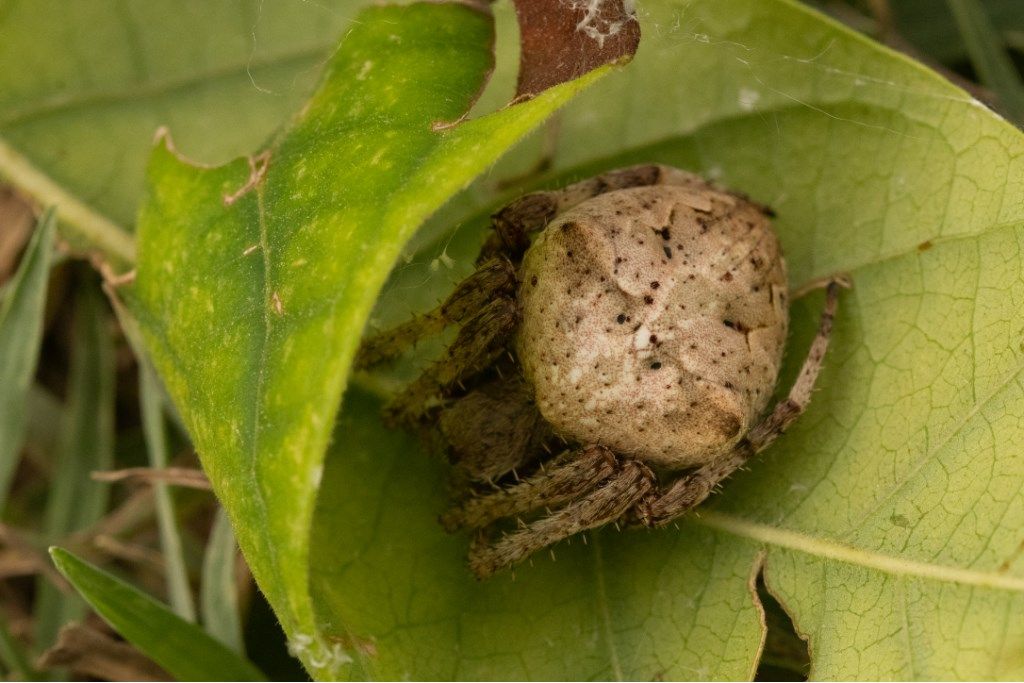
<point x="548" y="449"/>
<point x="497" y="369"/>
<point x="515" y="475"/>
<point x="552" y="551"/>
<point x="584" y="537"/>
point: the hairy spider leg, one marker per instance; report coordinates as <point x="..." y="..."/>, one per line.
<point x="605" y="503"/>
<point x="493" y="429"/>
<point x="496" y="277"/>
<point x="573" y="474"/>
<point x="481" y="340"/>
<point x="691" y="490"/>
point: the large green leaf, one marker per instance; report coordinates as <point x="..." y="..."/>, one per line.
<point x="255" y="278"/>
<point x="82" y="105"/>
<point x="890" y="515"/>
<point x="180" y="647"/>
<point x="78" y="108"/>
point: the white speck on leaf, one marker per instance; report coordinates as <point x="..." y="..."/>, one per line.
<point x="748" y="98"/>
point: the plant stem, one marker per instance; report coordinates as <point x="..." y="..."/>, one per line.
<point x="78" y="222"/>
<point x="178" y="589"/>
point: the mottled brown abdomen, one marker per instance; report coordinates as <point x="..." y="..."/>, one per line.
<point x="654" y="320"/>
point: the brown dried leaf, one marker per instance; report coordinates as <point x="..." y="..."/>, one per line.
<point x="91" y="653"/>
<point x="15" y="545"/>
<point x="132" y="553"/>
<point x="15" y="563"/>
<point x="563" y="40"/>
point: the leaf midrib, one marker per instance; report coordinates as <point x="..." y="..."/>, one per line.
<point x="830" y="550"/>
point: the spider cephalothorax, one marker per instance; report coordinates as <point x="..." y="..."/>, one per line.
<point x="619" y="343"/>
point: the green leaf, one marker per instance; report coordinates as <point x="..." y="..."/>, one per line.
<point x="255" y="278"/>
<point x="21" y="330"/>
<point x="87" y="443"/>
<point x="219" y="590"/>
<point x="224" y="76"/>
<point x="890" y="515"/>
<point x="180" y="647"/>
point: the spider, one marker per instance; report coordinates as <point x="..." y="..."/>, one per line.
<point x="618" y="346"/>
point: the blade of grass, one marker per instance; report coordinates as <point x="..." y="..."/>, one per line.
<point x="21" y="331"/>
<point x="87" y="444"/>
<point x="180" y="647"/>
<point x="219" y="592"/>
<point x="178" y="589"/>
<point x="989" y="56"/>
<point x="43" y="410"/>
<point x="14" y="656"/>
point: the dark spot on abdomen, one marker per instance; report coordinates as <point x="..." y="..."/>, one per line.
<point x="727" y="425"/>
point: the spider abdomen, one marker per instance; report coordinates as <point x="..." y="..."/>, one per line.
<point x="654" y="321"/>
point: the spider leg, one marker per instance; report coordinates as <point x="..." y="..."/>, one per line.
<point x="575" y="473"/>
<point x="605" y="503"/>
<point x="493" y="429"/>
<point x="842" y="279"/>
<point x="691" y="490"/>
<point x="493" y="278"/>
<point x="481" y="340"/>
